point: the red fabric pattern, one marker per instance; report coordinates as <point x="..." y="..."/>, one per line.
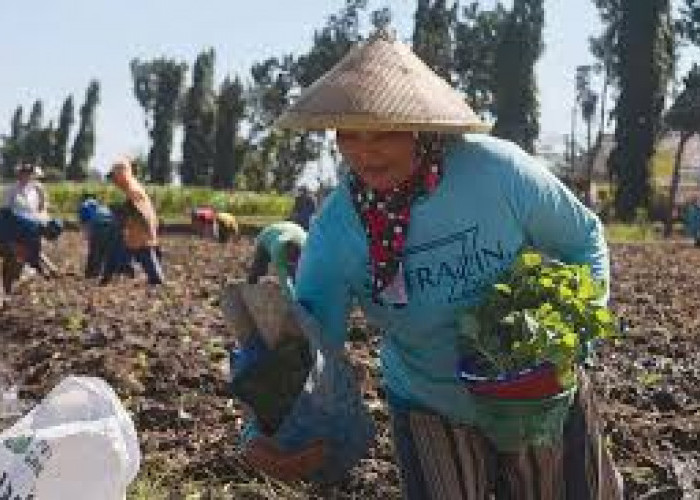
<point x="386" y="215"/>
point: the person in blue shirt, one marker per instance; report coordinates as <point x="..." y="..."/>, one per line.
<point x="691" y="220"/>
<point x="430" y="214"/>
<point x="107" y="254"/>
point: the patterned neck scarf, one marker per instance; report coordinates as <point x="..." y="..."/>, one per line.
<point x="385" y="215"/>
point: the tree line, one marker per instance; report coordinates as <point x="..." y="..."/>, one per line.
<point x="489" y="54"/>
<point x="34" y="141"/>
<point x="228" y="135"/>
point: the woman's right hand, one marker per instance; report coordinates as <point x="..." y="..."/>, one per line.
<point x="263" y="454"/>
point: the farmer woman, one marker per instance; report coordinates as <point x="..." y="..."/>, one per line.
<point x="106" y="253"/>
<point x="426" y="220"/>
<point x="24" y="221"/>
<point x="27" y="197"/>
<point x="279" y="243"/>
<point x="139" y="222"/>
<point x="226" y="227"/>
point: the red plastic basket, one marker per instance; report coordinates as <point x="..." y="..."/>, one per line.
<point x="532" y="383"/>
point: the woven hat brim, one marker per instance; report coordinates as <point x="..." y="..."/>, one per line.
<point x="303" y="121"/>
<point x="381" y="85"/>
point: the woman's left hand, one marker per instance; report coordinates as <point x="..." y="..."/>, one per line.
<point x="264" y="454"/>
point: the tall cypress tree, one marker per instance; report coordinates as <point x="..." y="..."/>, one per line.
<point x="12" y="146"/>
<point x="84" y="144"/>
<point x="434" y="24"/>
<point x="65" y="123"/>
<point x="36" y="116"/>
<point x="477" y="35"/>
<point x="158" y="88"/>
<point x="646" y="59"/>
<point x="32" y="143"/>
<point x="199" y="119"/>
<point x="521" y="45"/>
<point x="230" y="111"/>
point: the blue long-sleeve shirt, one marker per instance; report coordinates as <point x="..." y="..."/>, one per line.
<point x="493" y="200"/>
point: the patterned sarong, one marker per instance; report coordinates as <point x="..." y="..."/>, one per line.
<point x="442" y="461"/>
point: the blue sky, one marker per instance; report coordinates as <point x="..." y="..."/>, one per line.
<point x="53" y="48"/>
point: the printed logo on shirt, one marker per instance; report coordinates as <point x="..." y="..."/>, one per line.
<point x="455" y="268"/>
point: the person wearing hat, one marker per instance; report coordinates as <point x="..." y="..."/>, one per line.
<point x="27" y="197"/>
<point x="281" y="244"/>
<point x="25" y="221"/>
<point x="139" y="221"/>
<point x="431" y="213"/>
<point x="203" y="219"/>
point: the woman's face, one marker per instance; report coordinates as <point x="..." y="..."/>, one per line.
<point x="381" y="159"/>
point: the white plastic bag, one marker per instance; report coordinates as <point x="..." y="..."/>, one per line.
<point x="79" y="443"/>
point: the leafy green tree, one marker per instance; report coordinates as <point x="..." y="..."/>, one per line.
<point x="683" y="117"/>
<point x="33" y="141"/>
<point x="588" y="101"/>
<point x="12" y="145"/>
<point x="333" y="41"/>
<point x="688" y="24"/>
<point x="230" y="111"/>
<point x="646" y="60"/>
<point x="606" y="46"/>
<point x="65" y="123"/>
<point x="520" y="46"/>
<point x="285" y="152"/>
<point x="158" y="89"/>
<point x="434" y="24"/>
<point x="381" y="18"/>
<point x="199" y="119"/>
<point x="477" y="36"/>
<point x="17" y="126"/>
<point x="253" y="174"/>
<point x="84" y="144"/>
<point x="36" y="116"/>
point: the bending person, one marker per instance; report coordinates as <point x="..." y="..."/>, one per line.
<point x="139" y="223"/>
<point x="281" y="244"/>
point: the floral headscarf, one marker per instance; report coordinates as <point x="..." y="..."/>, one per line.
<point x="386" y="215"/>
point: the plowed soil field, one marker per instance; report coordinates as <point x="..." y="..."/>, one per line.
<point x="164" y="352"/>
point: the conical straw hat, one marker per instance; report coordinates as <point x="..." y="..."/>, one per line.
<point x="381" y="85"/>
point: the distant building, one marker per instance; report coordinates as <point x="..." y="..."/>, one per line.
<point x="553" y="156"/>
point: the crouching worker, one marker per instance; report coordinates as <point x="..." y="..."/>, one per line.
<point x="226" y="227"/>
<point x="106" y="253"/>
<point x="305" y="416"/>
<point x="281" y="244"/>
<point x="139" y="222"/>
<point x="24" y="222"/>
<point x="203" y="220"/>
<point x="20" y="244"/>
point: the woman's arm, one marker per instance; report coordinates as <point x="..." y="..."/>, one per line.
<point x="554" y="220"/>
<point x="321" y="289"/>
<point x="321" y="283"/>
